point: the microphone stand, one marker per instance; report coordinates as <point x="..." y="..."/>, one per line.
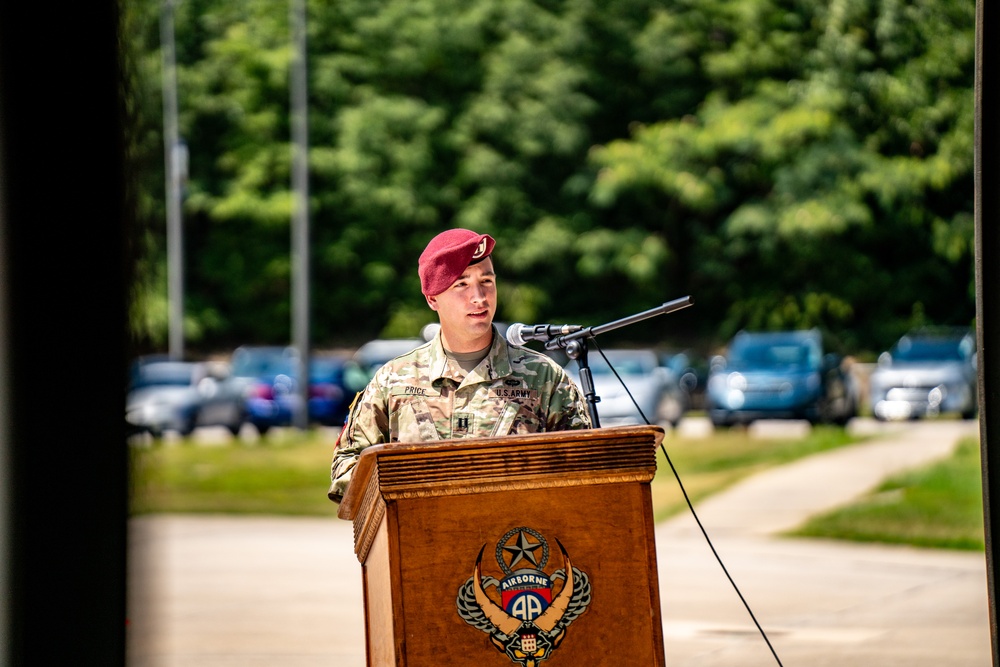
<point x="575" y="345"/>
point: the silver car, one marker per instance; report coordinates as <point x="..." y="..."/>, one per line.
<point x="926" y="373"/>
<point x="167" y="395"/>
<point x="653" y="387"/>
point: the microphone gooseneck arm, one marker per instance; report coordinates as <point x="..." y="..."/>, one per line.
<point x="575" y="345"/>
<point x="589" y="332"/>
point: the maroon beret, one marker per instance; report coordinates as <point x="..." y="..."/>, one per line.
<point x="447" y="257"/>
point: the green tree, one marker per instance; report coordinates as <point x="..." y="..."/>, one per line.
<point x="786" y="163"/>
<point x="828" y="173"/>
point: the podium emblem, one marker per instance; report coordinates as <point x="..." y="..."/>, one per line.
<point x="528" y="611"/>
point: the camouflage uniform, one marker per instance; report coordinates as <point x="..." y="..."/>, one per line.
<point x="422" y="395"/>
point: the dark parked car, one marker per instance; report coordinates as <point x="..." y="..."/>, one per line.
<point x="167" y="395"/>
<point x="780" y="375"/>
<point x="927" y="372"/>
<point x="272" y="398"/>
<point x="691" y="373"/>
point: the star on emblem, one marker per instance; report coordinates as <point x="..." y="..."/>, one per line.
<point x="523" y="549"/>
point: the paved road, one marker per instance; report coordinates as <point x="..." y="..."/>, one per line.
<point x="226" y="592"/>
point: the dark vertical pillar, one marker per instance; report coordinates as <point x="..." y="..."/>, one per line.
<point x="988" y="288"/>
<point x="63" y="466"/>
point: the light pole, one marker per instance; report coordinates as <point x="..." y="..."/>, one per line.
<point x="300" y="206"/>
<point x="175" y="168"/>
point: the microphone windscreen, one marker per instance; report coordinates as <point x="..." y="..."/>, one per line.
<point x="514" y="334"/>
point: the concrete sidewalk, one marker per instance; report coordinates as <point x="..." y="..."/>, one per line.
<point x="820" y="603"/>
<point x="228" y="591"/>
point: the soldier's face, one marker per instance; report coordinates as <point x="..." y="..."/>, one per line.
<point x="466" y="308"/>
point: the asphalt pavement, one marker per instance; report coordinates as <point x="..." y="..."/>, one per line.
<point x="220" y="591"/>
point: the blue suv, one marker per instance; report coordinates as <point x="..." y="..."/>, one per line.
<point x="780" y="375"/>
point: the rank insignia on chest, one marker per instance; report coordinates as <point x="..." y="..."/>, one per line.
<point x="461" y="423"/>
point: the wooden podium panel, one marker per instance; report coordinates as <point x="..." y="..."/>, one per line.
<point x="532" y="512"/>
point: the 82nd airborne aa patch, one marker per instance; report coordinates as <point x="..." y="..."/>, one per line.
<point x="525" y="617"/>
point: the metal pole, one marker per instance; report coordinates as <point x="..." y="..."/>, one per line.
<point x="300" y="207"/>
<point x="173" y="167"/>
<point x="987" y="244"/>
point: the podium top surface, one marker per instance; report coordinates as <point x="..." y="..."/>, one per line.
<point x="469" y="465"/>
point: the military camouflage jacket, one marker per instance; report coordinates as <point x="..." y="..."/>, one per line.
<point x="422" y="395"/>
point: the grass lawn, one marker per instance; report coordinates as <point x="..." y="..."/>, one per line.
<point x="282" y="474"/>
<point x="940" y="505"/>
<point x="288" y="473"/>
<point x="709" y="465"/>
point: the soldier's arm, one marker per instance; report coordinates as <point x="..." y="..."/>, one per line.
<point x="567" y="407"/>
<point x="367" y="425"/>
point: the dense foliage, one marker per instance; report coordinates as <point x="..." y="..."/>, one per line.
<point x="787" y="163"/>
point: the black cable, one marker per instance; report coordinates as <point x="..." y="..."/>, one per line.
<point x="716" y="554"/>
<point x="622" y="382"/>
<point x="694" y="514"/>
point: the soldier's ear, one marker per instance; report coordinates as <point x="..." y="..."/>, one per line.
<point x="431" y="301"/>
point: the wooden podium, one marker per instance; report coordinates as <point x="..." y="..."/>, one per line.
<point x="523" y="549"/>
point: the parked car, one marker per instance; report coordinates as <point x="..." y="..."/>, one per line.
<point x="655" y="388"/>
<point x="373" y="354"/>
<point x="691" y="371"/>
<point x="251" y="362"/>
<point x="926" y="372"/>
<point x="780" y="375"/>
<point x="169" y="395"/>
<point x="272" y="398"/>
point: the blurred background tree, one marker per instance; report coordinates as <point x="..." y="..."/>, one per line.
<point x="787" y="164"/>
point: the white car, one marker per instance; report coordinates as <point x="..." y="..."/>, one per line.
<point x="926" y="373"/>
<point x="656" y="391"/>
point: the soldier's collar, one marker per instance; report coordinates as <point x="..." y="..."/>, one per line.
<point x="495" y="365"/>
<point x="500" y="354"/>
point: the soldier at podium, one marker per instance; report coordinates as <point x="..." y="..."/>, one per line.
<point x="468" y="381"/>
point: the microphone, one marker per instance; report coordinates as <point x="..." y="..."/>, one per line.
<point x="518" y="334"/>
